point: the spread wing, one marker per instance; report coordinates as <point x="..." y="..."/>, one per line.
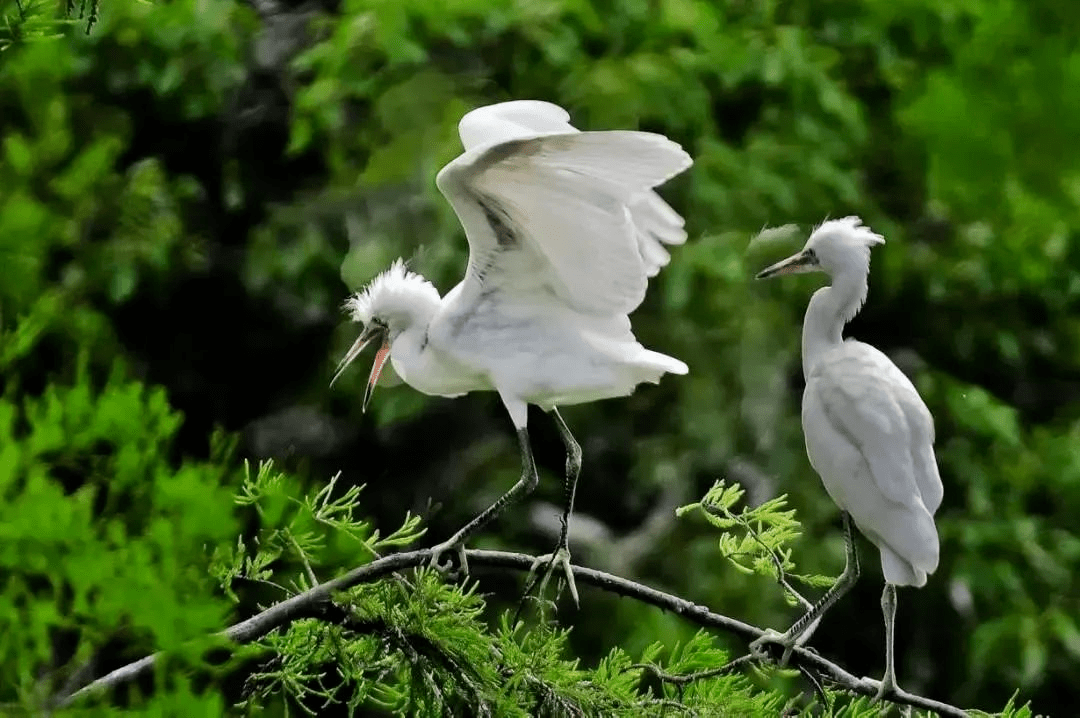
<point x="655" y="223"/>
<point x="553" y="211"/>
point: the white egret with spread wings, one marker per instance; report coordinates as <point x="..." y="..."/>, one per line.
<point x="564" y="231"/>
<point x="868" y="433"/>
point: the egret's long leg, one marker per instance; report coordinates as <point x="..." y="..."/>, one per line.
<point x="888" y="609"/>
<point x="843" y="584"/>
<point x="561" y="555"/>
<point x="522" y="488"/>
<point x="573" y="469"/>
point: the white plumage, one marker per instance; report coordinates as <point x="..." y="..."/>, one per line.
<point x="655" y="223"/>
<point x="868" y="433"/>
<point x="870" y="438"/>
<point x="564" y="231"/>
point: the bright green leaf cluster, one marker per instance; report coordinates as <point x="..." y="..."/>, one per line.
<point x="103" y="536"/>
<point x="312" y="531"/>
<point x="760" y="544"/>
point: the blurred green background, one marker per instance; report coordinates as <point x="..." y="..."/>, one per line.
<point x="189" y="191"/>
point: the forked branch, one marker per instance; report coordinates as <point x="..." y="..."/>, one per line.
<point x="312" y="603"/>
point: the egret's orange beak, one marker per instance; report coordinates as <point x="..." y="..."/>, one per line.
<point x="796" y="264"/>
<point x="371" y="333"/>
<point x="380" y="361"/>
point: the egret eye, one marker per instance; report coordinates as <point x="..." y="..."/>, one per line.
<point x="811" y="255"/>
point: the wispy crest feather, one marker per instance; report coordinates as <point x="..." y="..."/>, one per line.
<point x="843" y="247"/>
<point x="388" y="292"/>
<point x="852" y="229"/>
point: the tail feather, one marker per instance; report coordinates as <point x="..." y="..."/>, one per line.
<point x="899" y="571"/>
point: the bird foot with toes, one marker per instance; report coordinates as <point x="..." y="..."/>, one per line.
<point x="561" y="557"/>
<point x="886" y="688"/>
<point x="447" y="568"/>
<point x="759" y="646"/>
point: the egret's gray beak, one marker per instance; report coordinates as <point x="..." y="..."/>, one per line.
<point x="371" y="333"/>
<point x="796" y="264"/>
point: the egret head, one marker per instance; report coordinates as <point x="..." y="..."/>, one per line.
<point x="837" y="246"/>
<point x="393" y="302"/>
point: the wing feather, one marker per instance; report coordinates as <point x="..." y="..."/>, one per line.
<point x="534" y="116"/>
<point x="656" y="223"/>
<point x="564" y="198"/>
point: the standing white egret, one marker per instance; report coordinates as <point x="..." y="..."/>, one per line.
<point x="564" y="231"/>
<point x="868" y="433"/>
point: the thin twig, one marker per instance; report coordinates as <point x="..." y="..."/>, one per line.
<point x="681" y="679"/>
<point x="812" y="677"/>
<point x="265" y="582"/>
<point x="310" y="602"/>
<point x="303" y="557"/>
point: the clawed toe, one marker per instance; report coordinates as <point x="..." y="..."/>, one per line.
<point x="759" y="646"/>
<point x="447" y="568"/>
<point x="560" y="557"/>
<point x="887" y="688"/>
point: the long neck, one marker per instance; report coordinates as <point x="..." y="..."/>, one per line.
<point x="830" y="309"/>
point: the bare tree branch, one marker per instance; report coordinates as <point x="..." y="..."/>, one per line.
<point x="310" y="603"/>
